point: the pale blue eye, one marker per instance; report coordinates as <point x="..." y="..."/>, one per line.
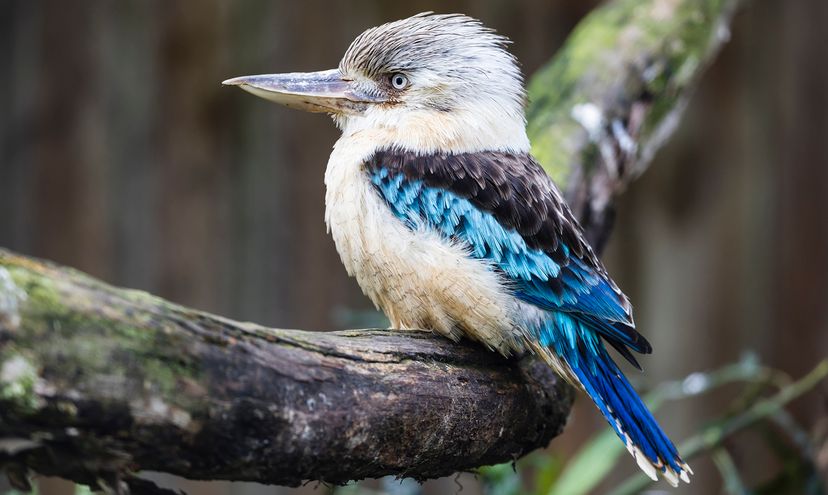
<point x="399" y="81"/>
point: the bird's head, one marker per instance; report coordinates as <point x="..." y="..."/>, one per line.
<point x="430" y="82"/>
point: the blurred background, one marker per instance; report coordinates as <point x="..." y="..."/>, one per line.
<point x="123" y="156"/>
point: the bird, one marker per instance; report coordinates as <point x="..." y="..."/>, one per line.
<point x="448" y="223"/>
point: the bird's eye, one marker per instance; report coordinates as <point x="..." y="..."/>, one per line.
<point x="399" y="81"/>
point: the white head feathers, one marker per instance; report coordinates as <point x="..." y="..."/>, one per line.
<point x="456" y="72"/>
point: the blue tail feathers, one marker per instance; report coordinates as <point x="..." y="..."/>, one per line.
<point x="581" y="348"/>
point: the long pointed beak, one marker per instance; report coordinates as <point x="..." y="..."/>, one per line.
<point x="324" y="91"/>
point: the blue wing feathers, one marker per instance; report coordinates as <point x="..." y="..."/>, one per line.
<point x="570" y="285"/>
<point x="582" y="304"/>
<point x="618" y="402"/>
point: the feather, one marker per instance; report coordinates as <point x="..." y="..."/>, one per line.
<point x="505" y="210"/>
<point x="576" y="342"/>
<point x="508" y="211"/>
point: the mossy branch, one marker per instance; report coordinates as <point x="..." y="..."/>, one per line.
<point x="615" y="93"/>
<point x="97" y="383"/>
<point x="98" y="378"/>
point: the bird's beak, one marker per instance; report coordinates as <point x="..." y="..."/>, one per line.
<point x="324" y="91"/>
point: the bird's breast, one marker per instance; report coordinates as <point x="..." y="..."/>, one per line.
<point x="417" y="277"/>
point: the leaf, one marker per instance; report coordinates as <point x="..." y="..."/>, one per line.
<point x="590" y="465"/>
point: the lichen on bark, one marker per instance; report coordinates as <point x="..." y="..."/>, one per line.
<point x="94" y="372"/>
<point x="627" y="53"/>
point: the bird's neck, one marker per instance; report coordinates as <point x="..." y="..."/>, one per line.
<point x="431" y="131"/>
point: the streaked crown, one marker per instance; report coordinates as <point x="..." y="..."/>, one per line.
<point x="440" y="61"/>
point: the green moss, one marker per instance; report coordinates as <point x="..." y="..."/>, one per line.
<point x="619" y="52"/>
<point x="18" y="378"/>
<point x="564" y="83"/>
<point x="100" y="346"/>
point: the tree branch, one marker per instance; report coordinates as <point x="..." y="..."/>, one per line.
<point x="97" y="382"/>
<point x="126" y="380"/>
<point x="615" y="93"/>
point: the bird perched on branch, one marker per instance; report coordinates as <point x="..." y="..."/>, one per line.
<point x="448" y="223"/>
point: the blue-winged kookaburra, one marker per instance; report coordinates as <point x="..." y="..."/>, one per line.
<point x="448" y="223"/>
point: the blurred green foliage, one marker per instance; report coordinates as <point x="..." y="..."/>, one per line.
<point x="752" y="407"/>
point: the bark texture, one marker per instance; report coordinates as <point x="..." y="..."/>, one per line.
<point x="615" y="93"/>
<point x="99" y="379"/>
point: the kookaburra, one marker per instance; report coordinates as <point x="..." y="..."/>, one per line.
<point x="448" y="223"/>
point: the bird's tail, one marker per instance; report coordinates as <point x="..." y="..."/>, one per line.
<point x="583" y="352"/>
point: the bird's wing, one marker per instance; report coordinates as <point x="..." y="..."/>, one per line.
<point x="509" y="212"/>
